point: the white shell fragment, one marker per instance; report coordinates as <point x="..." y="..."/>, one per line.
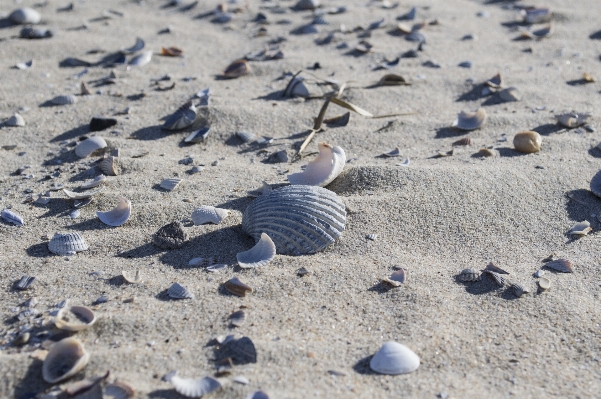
<point x="182" y="118"/>
<point x="83" y="195"/>
<point x="323" y="169"/>
<point x="64" y="100"/>
<point x="177" y="291"/>
<point x="470" y="120"/>
<point x="25" y="16"/>
<point x="192" y="388"/>
<point x="64" y="359"/>
<point x="118" y="215"/>
<point x="572" y="119"/>
<point x="581" y="228"/>
<point x="12" y="217"/>
<point x="89" y="146"/>
<point x="396" y="279"/>
<point x="141" y="59"/>
<point x="132" y="279"/>
<point x="98" y="180"/>
<point x="66" y="244"/>
<point x="259" y="255"/>
<point x="544" y="283"/>
<point x="209" y="214"/>
<point x="15" y="121"/>
<point x="394" y="358"/>
<point x="170" y="184"/>
<point x="75" y="318"/>
<point x="299" y="219"/>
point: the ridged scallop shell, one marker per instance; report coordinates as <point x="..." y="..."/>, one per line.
<point x="561" y="265"/>
<point x="259" y="255"/>
<point x="98" y="180"/>
<point x="135" y="279"/>
<point x="299" y="219"/>
<point x="470" y="120"/>
<point x="394" y="358"/>
<point x="65" y="244"/>
<point x="64" y="100"/>
<point x="83" y="195"/>
<point x="209" y="214"/>
<point x="25" y="16"/>
<point x="192" y="388"/>
<point x="118" y="215"/>
<point x="64" y="359"/>
<point x="469" y="275"/>
<point x="109" y="166"/>
<point x="170" y="184"/>
<point x="12" y="217"/>
<point x="141" y="59"/>
<point x="236" y="69"/>
<point x="323" y="169"/>
<point x="15" y="121"/>
<point x="177" y="291"/>
<point x="182" y="118"/>
<point x="198" y="136"/>
<point x="89" y="146"/>
<point x="572" y="119"/>
<point x="74" y="318"/>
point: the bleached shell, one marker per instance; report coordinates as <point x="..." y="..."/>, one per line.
<point x="469" y="275"/>
<point x="135" y="279"/>
<point x="118" y="215"/>
<point x="98" y="180"/>
<point x="141" y="59"/>
<point x="109" y="166"/>
<point x="396" y="279"/>
<point x="89" y="146"/>
<point x="83" y="318"/>
<point x="15" y="121"/>
<point x="12" y="217"/>
<point x="561" y="265"/>
<point x="64" y="100"/>
<point x="323" y="169"/>
<point x="136" y="47"/>
<point x="572" y="119"/>
<point x="182" y="118"/>
<point x="299" y="219"/>
<point x="581" y="228"/>
<point x="193" y="388"/>
<point x="65" y="244"/>
<point x="527" y="142"/>
<point x="64" y="359"/>
<point x="177" y="291"/>
<point x="198" y="136"/>
<point x="170" y="184"/>
<point x="470" y="120"/>
<point x="25" y="16"/>
<point x="79" y="196"/>
<point x="259" y="255"/>
<point x="544" y="283"/>
<point x="394" y="358"/>
<point x="209" y="214"/>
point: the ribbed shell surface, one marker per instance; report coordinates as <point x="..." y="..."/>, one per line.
<point x="299" y="219"/>
<point x="67" y="244"/>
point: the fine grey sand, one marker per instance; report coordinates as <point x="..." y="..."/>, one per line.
<point x="434" y="217"/>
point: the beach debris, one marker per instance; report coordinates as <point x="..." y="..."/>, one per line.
<point x="561" y="265"/>
<point x="536" y="15"/>
<point x="203" y="96"/>
<point x="25" y="16"/>
<point x="85" y="90"/>
<point x="216" y="268"/>
<point x="394" y="153"/>
<point x="35" y="33"/>
<point x="90" y="146"/>
<point x="24" y="65"/>
<point x="74" y="318"/>
<point x="170" y="184"/>
<point x="63" y="100"/>
<point x="470" y="120"/>
<point x="13" y="217"/>
<point x="495" y="82"/>
<point x="323" y="169"/>
<point x="338" y="121"/>
<point x="75" y="214"/>
<point x="372" y="237"/>
<point x="466" y="141"/>
<point x="257" y="395"/>
<point x="99" y="123"/>
<point x="510" y="94"/>
<point x="21" y="339"/>
<point x="246" y="137"/>
<point x="519" y="289"/>
<point x="202" y="262"/>
<point x="64" y="359"/>
<point x="132" y="279"/>
<point x="544" y="283"/>
<point x="118" y="215"/>
<point x="110" y="166"/>
<point x="392" y="79"/>
<point x="539" y="273"/>
<point x="170" y="236"/>
<point x="136" y="47"/>
<point x="240" y="379"/>
<point x="302" y="5"/>
<point x="497" y="278"/>
<point x="581" y="228"/>
<point x="24" y="283"/>
<point x="98" y="180"/>
<point x="396" y="278"/>
<point x="364" y="47"/>
<point x="198" y="136"/>
<point x="236" y="69"/>
<point x="237" y="287"/>
<point x="537" y="34"/>
<point x="83" y="195"/>
<point x="86" y="386"/>
<point x="182" y="118"/>
<point x="587" y="77"/>
<point x="141" y="59"/>
<point x="192" y="388"/>
<point x="67" y="244"/>
<point x="171" y="51"/>
<point x="259" y="255"/>
<point x="491" y="267"/>
<point x="237" y="318"/>
<point x="177" y="291"/>
<point x="209" y="214"/>
<point x="240" y="351"/>
<point x="486" y="152"/>
<point x="15" y="121"/>
<point x="319" y="211"/>
<point x="119" y="390"/>
<point x="469" y="275"/>
<point x="527" y="142"/>
<point x="572" y="119"/>
<point x="394" y="358"/>
<point x="465" y="64"/>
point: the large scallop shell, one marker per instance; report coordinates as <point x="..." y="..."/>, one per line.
<point x="209" y="214"/>
<point x="323" y="169"/>
<point x="182" y="118"/>
<point x="394" y="358"/>
<point x="89" y="146"/>
<point x="259" y="255"/>
<point x="24" y="16"/>
<point x="75" y="318"/>
<point x="118" y="215"/>
<point x="299" y="219"/>
<point x="64" y="359"/>
<point x="192" y="388"/>
<point x="66" y="244"/>
<point x="12" y="217"/>
<point x="470" y="120"/>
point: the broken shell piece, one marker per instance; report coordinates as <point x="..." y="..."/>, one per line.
<point x="12" y="217"/>
<point x="170" y="184"/>
<point x="98" y="180"/>
<point x="136" y="47"/>
<point x="338" y="121"/>
<point x="237" y="318"/>
<point x="83" y="195"/>
<point x="494" y="82"/>
<point x="259" y="255"/>
<point x="109" y="166"/>
<point x="470" y="120"/>
<point x="192" y="388"/>
<point x="393" y="80"/>
<point x="66" y="244"/>
<point x="209" y="214"/>
<point x="527" y="142"/>
<point x="81" y="203"/>
<point x="236" y="69"/>
<point x="588" y="78"/>
<point x="519" y="289"/>
<point x="544" y="283"/>
<point x="64" y="100"/>
<point x="25" y="16"/>
<point x="216" y="268"/>
<point x="74" y="318"/>
<point x="171" y="51"/>
<point x="141" y="59"/>
<point x="241" y="380"/>
<point x="118" y="215"/>
<point x="135" y="279"/>
<point x="85" y="90"/>
<point x="396" y="279"/>
<point x="491" y="267"/>
<point x="198" y="136"/>
<point x="394" y="358"/>
<point x="35" y="33"/>
<point x="178" y="291"/>
<point x="119" y="390"/>
<point x="24" y="283"/>
<point x="15" y="121"/>
<point x="469" y="275"/>
<point x="264" y="189"/>
<point x="85" y="386"/>
<point x="538" y="34"/>
<point x="182" y="118"/>
<point x="364" y="47"/>
<point x="202" y="262"/>
<point x="64" y="359"/>
<point x="510" y="94"/>
<point x="463" y="142"/>
<point x="595" y="185"/>
<point x="170" y="236"/>
<point x="581" y="228"/>
<point x="572" y="119"/>
<point x="237" y="287"/>
<point x="561" y="265"/>
<point x="323" y="169"/>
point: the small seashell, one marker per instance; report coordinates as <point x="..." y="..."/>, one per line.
<point x="236" y="69"/>
<point x="544" y="283"/>
<point x="141" y="59"/>
<point x="99" y="123"/>
<point x="491" y="267"/>
<point x="118" y="215"/>
<point x="216" y="268"/>
<point x="64" y="359"/>
<point x="85" y="386"/>
<point x="74" y="318"/>
<point x="510" y="94"/>
<point x="109" y="166"/>
<point x="192" y="388"/>
<point x="135" y="279"/>
<point x="581" y="228"/>
<point x="392" y="79"/>
<point x="170" y="236"/>
<point x="64" y="100"/>
<point x="394" y="153"/>
<point x="81" y="203"/>
<point x="539" y="273"/>
<point x="306" y="5"/>
<point x="394" y="358"/>
<point x="338" y="121"/>
<point x="470" y="120"/>
<point x="75" y="214"/>
<point x="246" y="137"/>
<point x="395" y="279"/>
<point x="527" y="142"/>
<point x="136" y="47"/>
<point x="240" y="351"/>
<point x="25" y="282"/>
<point x="15" y="121"/>
<point x="182" y="118"/>
<point x="89" y="146"/>
<point x="259" y="255"/>
<point x="237" y="318"/>
<point x="202" y="262"/>
<point x="587" y="77"/>
<point x="364" y="47"/>
<point x="171" y="51"/>
<point x="177" y="291"/>
<point x="198" y="136"/>
<point x="495" y="82"/>
<point x="79" y="196"/>
<point x="497" y="278"/>
<point x="561" y="265"/>
<point x="13" y="217"/>
<point x="323" y="169"/>
<point x="25" y="16"/>
<point x="35" y="33"/>
<point x="66" y="244"/>
<point x="257" y="395"/>
<point x="98" y="180"/>
<point x="372" y="237"/>
<point x="572" y="119"/>
<point x="519" y="290"/>
<point x="536" y="15"/>
<point x="170" y="184"/>
<point x="237" y="287"/>
<point x="241" y="380"/>
<point x="486" y="152"/>
<point x="466" y="141"/>
<point x="209" y="214"/>
<point x="538" y="34"/>
<point x="469" y="275"/>
<point x="203" y="96"/>
<point x="119" y="390"/>
<point x="22" y="338"/>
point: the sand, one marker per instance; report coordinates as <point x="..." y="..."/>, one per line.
<point x="434" y="217"/>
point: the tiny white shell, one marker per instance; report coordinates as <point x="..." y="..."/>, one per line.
<point x="394" y="358"/>
<point x="192" y="388"/>
<point x="259" y="255"/>
<point x="209" y="214"/>
<point x="323" y="169"/>
<point x="25" y="16"/>
<point x="15" y="121"/>
<point x="12" y="217"/>
<point x="470" y="120"/>
<point x="65" y="244"/>
<point x="118" y="215"/>
<point x="75" y="318"/>
<point x="135" y="279"/>
<point x="183" y="117"/>
<point x="170" y="184"/>
<point x="141" y="59"/>
<point x="83" y="195"/>
<point x="89" y="146"/>
<point x="544" y="283"/>
<point x="177" y="291"/>
<point x="98" y="180"/>
<point x="581" y="228"/>
<point x="64" y="359"/>
<point x="64" y="100"/>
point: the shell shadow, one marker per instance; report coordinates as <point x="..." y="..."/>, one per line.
<point x="380" y="288"/>
<point x="65" y="157"/>
<point x="238" y="204"/>
<point x="577" y="82"/>
<point x="149" y="133"/>
<point x="73" y="133"/>
<point x="6" y="23"/>
<point x="38" y="250"/>
<point x="90" y="224"/>
<point x="482" y="287"/>
<point x="474" y="94"/>
<point x="510" y="152"/>
<point x="548" y="128"/>
<point x="580" y="208"/>
<point x="142" y="251"/>
<point x="595" y="152"/>
<point x="446" y="132"/>
<point x="595" y="35"/>
<point x="362" y="366"/>
<point x="56" y="206"/>
<point x="164" y="394"/>
<point x="116" y="281"/>
<point x="277" y="95"/>
<point x="31" y="384"/>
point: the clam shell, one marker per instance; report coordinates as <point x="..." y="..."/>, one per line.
<point x="182" y="118"/>
<point x="136" y="47"/>
<point x="170" y="236"/>
<point x="75" y="318"/>
<point x="237" y="287"/>
<point x="236" y="69"/>
<point x="237" y="318"/>
<point x="527" y="142"/>
<point x="65" y="244"/>
<point x="25" y="16"/>
<point x="470" y="120"/>
<point x="541" y="33"/>
<point x="394" y="358"/>
<point x="170" y="184"/>
<point x="198" y="136"/>
<point x="141" y="59"/>
<point x="135" y="279"/>
<point x="544" y="283"/>
<point x="64" y="100"/>
<point x="12" y="217"/>
<point x="595" y="184"/>
<point x="64" y="359"/>
<point x="257" y="395"/>
<point x="561" y="265"/>
<point x="323" y="169"/>
<point x="259" y="255"/>
<point x="581" y="228"/>
<point x="118" y="215"/>
<point x="89" y="146"/>
<point x="177" y="291"/>
<point x="15" y="121"/>
<point x="192" y="388"/>
<point x="98" y="180"/>
<point x="299" y="219"/>
<point x="572" y="119"/>
<point x="469" y="275"/>
<point x="83" y="195"/>
<point x="209" y="214"/>
<point x="109" y="166"/>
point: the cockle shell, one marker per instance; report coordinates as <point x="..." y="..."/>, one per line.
<point x="182" y="118"/>
<point x="64" y="359"/>
<point x="141" y="59"/>
<point x="470" y="120"/>
<point x="236" y="69"/>
<point x="209" y="214"/>
<point x="299" y="219"/>
<point x="259" y="255"/>
<point x="561" y="265"/>
<point x="527" y="142"/>
<point x="469" y="275"/>
<point x="109" y="166"/>
<point x="394" y="358"/>
<point x="25" y="16"/>
<point x="237" y="287"/>
<point x="323" y="169"/>
<point x="519" y="289"/>
<point x="89" y="146"/>
<point x="192" y="388"/>
<point x="98" y="180"/>
<point x="65" y="244"/>
<point x="75" y="318"/>
<point x="170" y="236"/>
<point x="170" y="184"/>
<point x="466" y="141"/>
<point x="581" y="228"/>
<point x="83" y="195"/>
<point x="15" y="121"/>
<point x="12" y="217"/>
<point x="572" y="119"/>
<point x="64" y="100"/>
<point x="177" y="291"/>
<point x="118" y="215"/>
